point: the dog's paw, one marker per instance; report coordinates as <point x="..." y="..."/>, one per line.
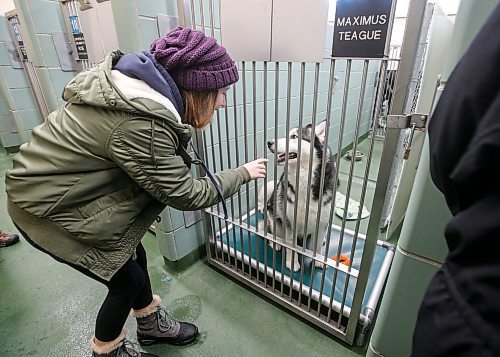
<point x="277" y="248"/>
<point x="319" y="264"/>
<point x="296" y="266"/>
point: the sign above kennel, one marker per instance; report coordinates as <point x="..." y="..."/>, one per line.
<point x="361" y="28"/>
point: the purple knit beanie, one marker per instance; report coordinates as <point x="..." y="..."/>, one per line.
<point x="195" y="61"/>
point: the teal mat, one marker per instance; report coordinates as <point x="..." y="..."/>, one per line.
<point x="257" y="245"/>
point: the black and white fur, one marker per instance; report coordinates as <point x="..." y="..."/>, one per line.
<point x="287" y="196"/>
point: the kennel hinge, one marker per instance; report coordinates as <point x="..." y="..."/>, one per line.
<point x="415" y="120"/>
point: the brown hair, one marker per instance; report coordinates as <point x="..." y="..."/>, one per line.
<point x="199" y="107"/>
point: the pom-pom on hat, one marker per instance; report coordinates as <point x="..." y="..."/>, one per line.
<point x="195" y="61"/>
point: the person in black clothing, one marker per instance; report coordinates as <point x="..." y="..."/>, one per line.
<point x="460" y="313"/>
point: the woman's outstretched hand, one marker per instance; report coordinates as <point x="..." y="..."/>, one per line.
<point x="256" y="168"/>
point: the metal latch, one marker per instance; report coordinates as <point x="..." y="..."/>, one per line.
<point x="410" y="121"/>
<point x="407" y="121"/>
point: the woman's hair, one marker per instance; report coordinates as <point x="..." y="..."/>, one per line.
<point x="199" y="107"/>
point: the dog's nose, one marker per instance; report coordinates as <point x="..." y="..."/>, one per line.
<point x="270" y="143"/>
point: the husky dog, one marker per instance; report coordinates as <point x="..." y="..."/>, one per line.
<point x="287" y="196"/>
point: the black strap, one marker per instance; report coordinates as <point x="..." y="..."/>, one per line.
<point x="211" y="177"/>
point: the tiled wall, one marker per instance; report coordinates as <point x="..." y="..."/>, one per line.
<point x="136" y="21"/>
<point x="148" y="11"/>
<point x="18" y="110"/>
<point x="40" y="19"/>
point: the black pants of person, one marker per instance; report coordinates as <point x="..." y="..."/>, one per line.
<point x="129" y="288"/>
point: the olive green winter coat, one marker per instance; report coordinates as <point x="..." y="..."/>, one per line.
<point x="95" y="175"/>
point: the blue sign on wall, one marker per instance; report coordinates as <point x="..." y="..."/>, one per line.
<point x="15" y="27"/>
<point x="75" y="25"/>
<point x="81" y="47"/>
<point x="360" y="28"/>
<point x="22" y="50"/>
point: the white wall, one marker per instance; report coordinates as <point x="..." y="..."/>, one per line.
<point x="450" y="8"/>
<point x="6" y="5"/>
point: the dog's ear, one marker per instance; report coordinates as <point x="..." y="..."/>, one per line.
<point x="320" y="131"/>
<point x="307" y="132"/>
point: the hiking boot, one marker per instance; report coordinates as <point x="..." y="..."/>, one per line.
<point x="7" y="239"/>
<point x="156" y="325"/>
<point x="120" y="347"/>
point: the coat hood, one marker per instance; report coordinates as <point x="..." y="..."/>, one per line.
<point x="95" y="87"/>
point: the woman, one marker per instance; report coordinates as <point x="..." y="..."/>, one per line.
<point x="95" y="175"/>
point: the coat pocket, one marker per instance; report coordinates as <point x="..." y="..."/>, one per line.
<point x="104" y="226"/>
<point x="101" y="204"/>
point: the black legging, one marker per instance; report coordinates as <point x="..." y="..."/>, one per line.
<point x="129" y="288"/>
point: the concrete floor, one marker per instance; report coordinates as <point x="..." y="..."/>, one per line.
<point x="47" y="309"/>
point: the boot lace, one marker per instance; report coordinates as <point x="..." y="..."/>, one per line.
<point x="129" y="349"/>
<point x="164" y="320"/>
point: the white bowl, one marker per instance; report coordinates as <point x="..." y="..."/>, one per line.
<point x="359" y="155"/>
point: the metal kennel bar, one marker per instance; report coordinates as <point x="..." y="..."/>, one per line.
<point x="349" y="187"/>
<point x="297" y="175"/>
<point x="268" y="101"/>
<point x="328" y="119"/>
<point x="276" y="113"/>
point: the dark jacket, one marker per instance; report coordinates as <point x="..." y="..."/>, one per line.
<point x="460" y="314"/>
<point x="95" y="175"/>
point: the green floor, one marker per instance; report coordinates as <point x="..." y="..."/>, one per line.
<point x="47" y="309"/>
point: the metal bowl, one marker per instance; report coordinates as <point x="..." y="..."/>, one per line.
<point x="359" y="155"/>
